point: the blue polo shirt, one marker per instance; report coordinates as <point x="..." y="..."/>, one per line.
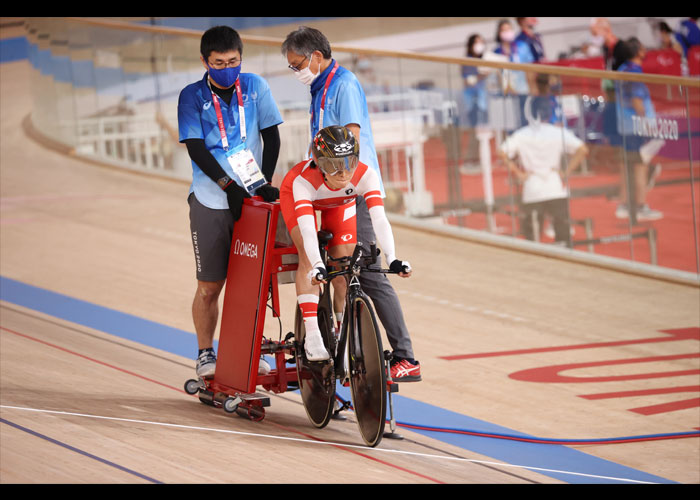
<point x="196" y="116"/>
<point x="345" y="103"/>
<point x="626" y="92"/>
<point x="534" y="43"/>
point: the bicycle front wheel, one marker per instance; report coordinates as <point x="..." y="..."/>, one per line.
<point x="367" y="373"/>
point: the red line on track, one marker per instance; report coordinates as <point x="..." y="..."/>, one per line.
<point x="676" y="334"/>
<point x="359" y="453"/>
<point x="383" y="462"/>
<point x="91" y="359"/>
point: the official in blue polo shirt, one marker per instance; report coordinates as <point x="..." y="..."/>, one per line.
<point x="337" y="98"/>
<point x="228" y="121"/>
<point x="634" y="108"/>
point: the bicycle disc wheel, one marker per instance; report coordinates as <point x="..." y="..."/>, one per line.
<point x="367" y="374"/>
<point x="316" y="379"/>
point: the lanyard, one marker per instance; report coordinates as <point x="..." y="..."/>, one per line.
<point x="220" y="117"/>
<point x="323" y="98"/>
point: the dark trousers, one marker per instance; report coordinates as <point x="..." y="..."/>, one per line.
<point x="379" y="289"/>
<point x="558" y="209"/>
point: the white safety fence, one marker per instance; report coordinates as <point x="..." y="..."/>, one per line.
<point x="132" y="141"/>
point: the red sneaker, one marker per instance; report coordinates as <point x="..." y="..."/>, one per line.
<point x="405" y="371"/>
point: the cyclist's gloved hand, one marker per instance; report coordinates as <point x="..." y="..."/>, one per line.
<point x="400" y="266"/>
<point x="235" y="195"/>
<point x="319" y="274"/>
<point x="268" y="192"/>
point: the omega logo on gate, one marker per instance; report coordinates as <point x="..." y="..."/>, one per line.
<point x="245" y="249"/>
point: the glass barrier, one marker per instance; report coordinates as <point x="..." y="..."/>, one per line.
<point x="596" y="162"/>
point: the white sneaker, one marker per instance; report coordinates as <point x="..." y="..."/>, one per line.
<point x="621" y="212"/>
<point x="206" y="364"/>
<point x="314" y="347"/>
<point x="646" y="213"/>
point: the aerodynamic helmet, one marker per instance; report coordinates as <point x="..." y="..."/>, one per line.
<point x="334" y="149"/>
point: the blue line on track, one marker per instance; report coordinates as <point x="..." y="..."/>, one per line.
<point x="183" y="343"/>
<point x="81" y="452"/>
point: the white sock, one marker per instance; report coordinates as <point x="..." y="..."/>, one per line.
<point x="339" y="319"/>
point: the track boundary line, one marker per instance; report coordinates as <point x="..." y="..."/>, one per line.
<point x="313" y="441"/>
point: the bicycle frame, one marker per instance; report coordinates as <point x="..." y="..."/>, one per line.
<point x="351" y="273"/>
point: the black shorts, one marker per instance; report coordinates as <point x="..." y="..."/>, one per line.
<point x="211" y="232"/>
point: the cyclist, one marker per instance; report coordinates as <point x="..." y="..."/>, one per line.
<point x="330" y="181"/>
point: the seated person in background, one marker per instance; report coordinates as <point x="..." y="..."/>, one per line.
<point x="329" y="182"/>
<point x="668" y="40"/>
<point x="539" y="147"/>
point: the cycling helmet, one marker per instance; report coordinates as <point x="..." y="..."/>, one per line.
<point x="334" y="149"/>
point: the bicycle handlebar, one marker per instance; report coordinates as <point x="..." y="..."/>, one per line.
<point x="359" y="260"/>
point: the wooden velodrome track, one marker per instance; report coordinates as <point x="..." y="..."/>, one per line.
<point x="96" y="343"/>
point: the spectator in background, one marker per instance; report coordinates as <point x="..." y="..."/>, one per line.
<point x="529" y="37"/>
<point x="475" y="110"/>
<point x="689" y="33"/>
<point x="612" y="151"/>
<point x="613" y="48"/>
<point x="515" y="82"/>
<point x="545" y="92"/>
<point x="634" y="104"/>
<point x="668" y="39"/>
<point x="588" y="49"/>
<point x="539" y="147"/>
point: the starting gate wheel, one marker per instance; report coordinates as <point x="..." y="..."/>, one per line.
<point x="230" y="404"/>
<point x="192" y="386"/>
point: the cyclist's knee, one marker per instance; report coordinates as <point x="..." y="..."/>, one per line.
<point x="339" y="284"/>
<point x="208" y="291"/>
<point x="339" y="251"/>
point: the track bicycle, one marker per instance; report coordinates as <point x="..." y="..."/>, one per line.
<point x="357" y="357"/>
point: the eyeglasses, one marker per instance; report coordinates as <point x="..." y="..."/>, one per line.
<point x="297" y="68"/>
<point x="333" y="166"/>
<point x="232" y="63"/>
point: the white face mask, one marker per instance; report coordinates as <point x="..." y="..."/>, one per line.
<point x="478" y="48"/>
<point x="305" y="75"/>
<point x="508" y="36"/>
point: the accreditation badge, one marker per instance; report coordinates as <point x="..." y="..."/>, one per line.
<point x="246" y="168"/>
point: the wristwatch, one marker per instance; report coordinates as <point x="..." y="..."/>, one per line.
<point x="224" y="182"/>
